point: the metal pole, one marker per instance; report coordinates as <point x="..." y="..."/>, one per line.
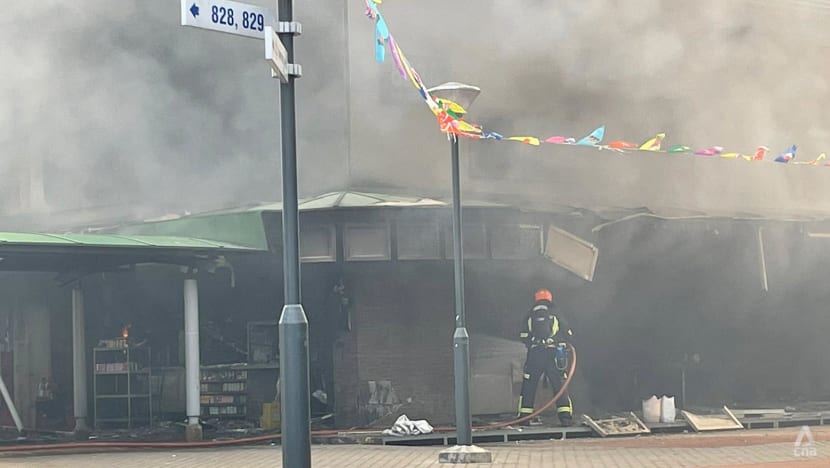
<point x="293" y="325"/>
<point x="191" y="343"/>
<point x="460" y="339"/>
<point x="79" y="361"/>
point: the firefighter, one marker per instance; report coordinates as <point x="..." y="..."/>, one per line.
<point x="544" y="333"/>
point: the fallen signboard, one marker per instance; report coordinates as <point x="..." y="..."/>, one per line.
<point x="715" y="422"/>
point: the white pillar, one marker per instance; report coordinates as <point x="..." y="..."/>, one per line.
<point x="79" y="360"/>
<point x="191" y="353"/>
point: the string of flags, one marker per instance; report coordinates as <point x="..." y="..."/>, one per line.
<point x="451" y="122"/>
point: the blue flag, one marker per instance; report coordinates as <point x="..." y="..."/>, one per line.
<point x="787" y="155"/>
<point x="594" y="138"/>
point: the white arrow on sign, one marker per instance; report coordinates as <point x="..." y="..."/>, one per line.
<point x="226" y="16"/>
<point x="276" y="55"/>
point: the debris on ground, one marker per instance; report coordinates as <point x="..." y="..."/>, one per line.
<point x="617" y="426"/>
<point x="406" y="427"/>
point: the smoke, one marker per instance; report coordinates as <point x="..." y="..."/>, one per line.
<point x="735" y="74"/>
<point x="127" y="108"/>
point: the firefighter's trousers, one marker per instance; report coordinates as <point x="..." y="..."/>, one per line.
<point x="540" y="361"/>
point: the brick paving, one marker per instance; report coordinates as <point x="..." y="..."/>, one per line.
<point x="772" y="449"/>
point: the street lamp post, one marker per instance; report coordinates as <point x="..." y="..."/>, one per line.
<point x="464" y="452"/>
<point x="293" y="325"/>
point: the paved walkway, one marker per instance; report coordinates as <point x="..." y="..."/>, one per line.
<point x="773" y="448"/>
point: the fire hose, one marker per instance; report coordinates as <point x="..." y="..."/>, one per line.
<point x="273" y="437"/>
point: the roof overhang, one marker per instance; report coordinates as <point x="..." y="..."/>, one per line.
<point x="90" y="253"/>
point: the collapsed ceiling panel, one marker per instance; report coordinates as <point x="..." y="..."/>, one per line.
<point x="571" y="253"/>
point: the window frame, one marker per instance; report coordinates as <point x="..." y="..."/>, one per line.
<point x="436" y="228"/>
<point x="332" y="234"/>
<point x="347" y="229"/>
<point x="521" y="227"/>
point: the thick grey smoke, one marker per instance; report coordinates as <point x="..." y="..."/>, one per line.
<point x="736" y="74"/>
<point x="128" y="108"/>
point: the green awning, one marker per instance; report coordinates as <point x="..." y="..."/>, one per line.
<point x="111" y="240"/>
<point x="245" y="225"/>
<point x="244" y="229"/>
<point x="87" y="253"/>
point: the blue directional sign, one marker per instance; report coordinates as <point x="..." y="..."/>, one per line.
<point x="226" y="16"/>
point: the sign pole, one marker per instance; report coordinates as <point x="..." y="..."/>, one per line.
<point x="293" y="325"/>
<point x="241" y="19"/>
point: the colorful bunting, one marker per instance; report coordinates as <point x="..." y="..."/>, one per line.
<point x="560" y="140"/>
<point x="594" y="138"/>
<point x="679" y="149"/>
<point x="623" y="145"/>
<point x="713" y="151"/>
<point x="760" y="154"/>
<point x="788" y="155"/>
<point x="526" y="139"/>
<point x="654" y="143"/>
<point x="814" y="162"/>
<point x="449" y="115"/>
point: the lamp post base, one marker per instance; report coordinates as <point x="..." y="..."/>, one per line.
<point x="465" y="454"/>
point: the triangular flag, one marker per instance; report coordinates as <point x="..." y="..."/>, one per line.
<point x="679" y="149"/>
<point x="654" y="143"/>
<point x="594" y="138"/>
<point x="381" y="31"/>
<point x="452" y="108"/>
<point x="787" y="155"/>
<point x="560" y="140"/>
<point x="622" y="145"/>
<point x="526" y="139"/>
<point x="711" y="151"/>
<point x="760" y="154"/>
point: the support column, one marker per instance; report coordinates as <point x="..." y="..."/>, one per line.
<point x="191" y="343"/>
<point x="79" y="363"/>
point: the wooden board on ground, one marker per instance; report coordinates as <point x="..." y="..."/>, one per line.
<point x="630" y="425"/>
<point x="715" y="422"/>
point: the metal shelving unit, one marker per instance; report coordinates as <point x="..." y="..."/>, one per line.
<point x="121" y="386"/>
<point x="224" y="391"/>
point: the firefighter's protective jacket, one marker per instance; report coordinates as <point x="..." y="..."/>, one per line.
<point x="543" y="327"/>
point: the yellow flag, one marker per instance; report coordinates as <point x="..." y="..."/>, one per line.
<point x="814" y="162"/>
<point x="467" y="128"/>
<point x="526" y="139"/>
<point x="451" y="106"/>
<point x="654" y="143"/>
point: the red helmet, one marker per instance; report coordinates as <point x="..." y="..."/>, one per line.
<point x="543" y="294"/>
